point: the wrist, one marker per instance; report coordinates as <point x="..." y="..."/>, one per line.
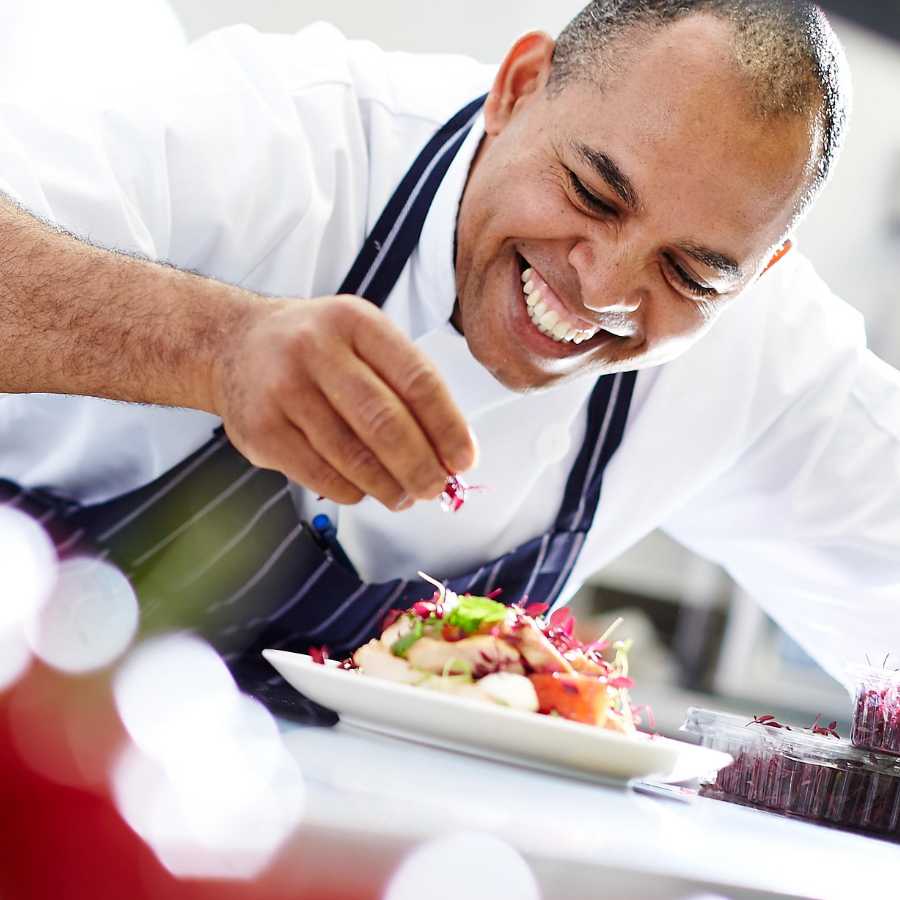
<point x="233" y="312"/>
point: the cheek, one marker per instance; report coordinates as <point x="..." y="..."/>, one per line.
<point x="673" y="324"/>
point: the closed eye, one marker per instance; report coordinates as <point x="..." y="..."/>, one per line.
<point x="596" y="204"/>
<point x="687" y="283"/>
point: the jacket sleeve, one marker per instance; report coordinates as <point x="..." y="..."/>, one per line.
<point x="209" y="166"/>
<point x="807" y="518"/>
<point x="244" y="161"/>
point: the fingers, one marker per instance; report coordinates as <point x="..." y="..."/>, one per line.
<point x="335" y="441"/>
<point x="382" y="422"/>
<point x="334" y="395"/>
<point x="415" y="380"/>
<point x="292" y="454"/>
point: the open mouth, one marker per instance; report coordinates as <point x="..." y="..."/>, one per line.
<point x="546" y="311"/>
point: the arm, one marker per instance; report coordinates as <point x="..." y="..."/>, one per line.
<point x="77" y="319"/>
<point x="326" y="390"/>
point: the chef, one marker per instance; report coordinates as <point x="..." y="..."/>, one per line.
<point x="325" y="276"/>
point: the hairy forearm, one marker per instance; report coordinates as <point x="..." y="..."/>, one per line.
<point x="76" y="319"/>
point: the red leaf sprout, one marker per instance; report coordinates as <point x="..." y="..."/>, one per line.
<point x="829" y="730"/>
<point x="536" y="609"/>
<point x="456" y="492"/>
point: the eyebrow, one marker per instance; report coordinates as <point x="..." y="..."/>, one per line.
<point x="718" y="261"/>
<point x="606" y="168"/>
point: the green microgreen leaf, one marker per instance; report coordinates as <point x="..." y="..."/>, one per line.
<point x="402" y="644"/>
<point x="471" y="613"/>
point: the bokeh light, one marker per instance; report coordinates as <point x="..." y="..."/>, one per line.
<point x="207" y="782"/>
<point x="489" y="868"/>
<point x="88" y="620"/>
<point x="15" y="654"/>
<point x="28" y="564"/>
<point x="174" y="690"/>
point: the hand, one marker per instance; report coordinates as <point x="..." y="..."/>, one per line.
<point x="331" y="393"/>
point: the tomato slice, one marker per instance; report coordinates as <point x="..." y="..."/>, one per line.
<point x="575" y="697"/>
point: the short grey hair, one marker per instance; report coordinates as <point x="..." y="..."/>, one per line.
<point x="794" y="63"/>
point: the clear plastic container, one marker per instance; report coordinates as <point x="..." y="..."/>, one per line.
<point x="797" y="773"/>
<point x="876" y="711"/>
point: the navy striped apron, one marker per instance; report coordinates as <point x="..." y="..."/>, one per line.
<point x="215" y="545"/>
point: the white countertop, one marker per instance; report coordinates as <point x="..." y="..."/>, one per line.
<point x="366" y="788"/>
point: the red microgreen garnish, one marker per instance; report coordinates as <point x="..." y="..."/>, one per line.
<point x="829" y="730"/>
<point x="563" y="620"/>
<point x="770" y="721"/>
<point x="536" y="609"/>
<point x="454" y="495"/>
<point x="423" y="609"/>
<point x="319" y="654"/>
<point x="456" y="492"/>
<point x="876" y="715"/>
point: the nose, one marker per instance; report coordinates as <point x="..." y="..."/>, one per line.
<point x="608" y="283"/>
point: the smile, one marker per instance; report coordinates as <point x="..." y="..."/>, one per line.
<point x="556" y="322"/>
<point x="553" y="320"/>
<point x="548" y="314"/>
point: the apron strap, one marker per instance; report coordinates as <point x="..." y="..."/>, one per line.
<point x="396" y="233"/>
<point x="607" y="417"/>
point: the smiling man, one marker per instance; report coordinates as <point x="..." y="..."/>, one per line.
<point x="639" y="189"/>
<point x="389" y="261"/>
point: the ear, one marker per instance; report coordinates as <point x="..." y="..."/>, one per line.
<point x="782" y="251"/>
<point x="521" y="76"/>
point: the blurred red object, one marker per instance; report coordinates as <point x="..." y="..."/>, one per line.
<point x="61" y="833"/>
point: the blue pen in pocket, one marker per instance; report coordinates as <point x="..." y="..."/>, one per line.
<point x="327" y="533"/>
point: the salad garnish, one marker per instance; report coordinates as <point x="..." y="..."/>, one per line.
<point x="456" y="492"/>
<point x="512" y="655"/>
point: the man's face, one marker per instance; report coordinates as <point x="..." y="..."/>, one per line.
<point x="636" y="210"/>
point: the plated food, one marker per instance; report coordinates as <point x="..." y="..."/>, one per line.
<point x="512" y="656"/>
<point x="511" y="684"/>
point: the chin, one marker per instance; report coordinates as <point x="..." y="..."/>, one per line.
<point x="514" y="372"/>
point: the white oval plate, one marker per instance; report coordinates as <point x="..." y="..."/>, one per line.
<point x="483" y="729"/>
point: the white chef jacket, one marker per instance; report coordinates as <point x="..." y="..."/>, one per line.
<point x="772" y="446"/>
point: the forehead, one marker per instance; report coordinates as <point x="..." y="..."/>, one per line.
<point x="678" y="116"/>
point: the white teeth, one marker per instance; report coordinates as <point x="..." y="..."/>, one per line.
<point x="549" y="319"/>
